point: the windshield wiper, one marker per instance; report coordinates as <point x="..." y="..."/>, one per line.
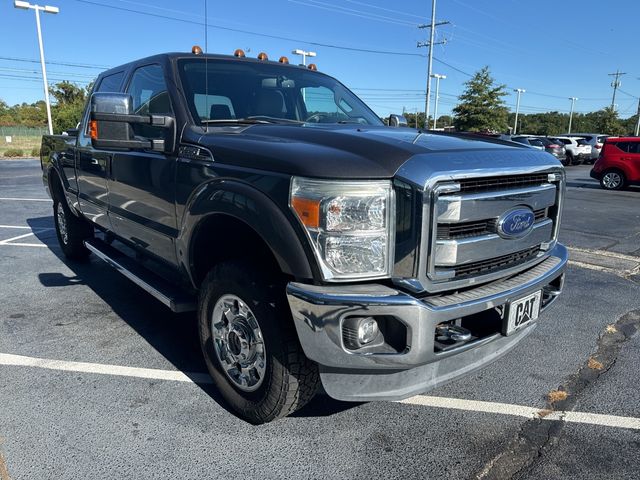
<point x="253" y="120"/>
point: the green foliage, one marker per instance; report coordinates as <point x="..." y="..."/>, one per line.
<point x="35" y="152"/>
<point x="13" y="152"/>
<point x="608" y="122"/>
<point x="481" y="107"/>
<point x="70" y="100"/>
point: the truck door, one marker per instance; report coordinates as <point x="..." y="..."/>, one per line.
<point x="92" y="165"/>
<point x="141" y="184"/>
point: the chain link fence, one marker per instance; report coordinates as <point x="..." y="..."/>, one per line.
<point x="19" y="141"/>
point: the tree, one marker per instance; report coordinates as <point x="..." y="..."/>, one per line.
<point x="608" y="122"/>
<point x="481" y="106"/>
<point x="67" y="111"/>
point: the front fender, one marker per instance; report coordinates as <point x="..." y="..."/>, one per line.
<point x="258" y="211"/>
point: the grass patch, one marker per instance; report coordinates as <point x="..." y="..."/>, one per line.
<point x="29" y="145"/>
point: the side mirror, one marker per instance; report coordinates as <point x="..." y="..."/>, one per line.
<point x="111" y="121"/>
<point x="397" y="121"/>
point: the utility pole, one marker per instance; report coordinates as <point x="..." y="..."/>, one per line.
<point x="638" y="120"/>
<point x="573" y="101"/>
<point x="615" y="84"/>
<point x="519" y="91"/>
<point x="430" y="44"/>
<point x="438" y="77"/>
<point x="304" y="55"/>
<point x="38" y="9"/>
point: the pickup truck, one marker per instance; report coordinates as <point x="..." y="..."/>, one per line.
<point x="317" y="245"/>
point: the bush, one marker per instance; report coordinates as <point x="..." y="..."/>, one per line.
<point x="13" y="152"/>
<point x="35" y="152"/>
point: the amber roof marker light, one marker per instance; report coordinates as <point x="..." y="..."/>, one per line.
<point x="284" y="59"/>
<point x="239" y="53"/>
<point x="263" y="56"/>
<point x="196" y="50"/>
<point x="312" y="66"/>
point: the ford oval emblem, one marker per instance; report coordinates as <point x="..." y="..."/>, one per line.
<point x="516" y="223"/>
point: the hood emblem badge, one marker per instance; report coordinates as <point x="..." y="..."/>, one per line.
<point x="516" y="223"/>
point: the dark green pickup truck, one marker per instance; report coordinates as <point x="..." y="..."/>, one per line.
<point x="317" y="245"/>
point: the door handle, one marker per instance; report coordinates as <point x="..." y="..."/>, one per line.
<point x="94" y="161"/>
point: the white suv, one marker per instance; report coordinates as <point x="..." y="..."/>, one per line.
<point x="578" y="150"/>
<point x="596" y="140"/>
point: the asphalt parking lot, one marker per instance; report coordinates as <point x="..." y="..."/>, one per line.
<point x="99" y="380"/>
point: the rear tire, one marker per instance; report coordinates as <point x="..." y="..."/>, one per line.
<point x="71" y="230"/>
<point x="613" y="180"/>
<point x="568" y="160"/>
<point x="250" y="345"/>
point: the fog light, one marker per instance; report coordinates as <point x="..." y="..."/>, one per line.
<point x="367" y="331"/>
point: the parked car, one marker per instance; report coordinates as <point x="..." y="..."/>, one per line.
<point x="596" y="140"/>
<point x="525" y="140"/>
<point x="618" y="164"/>
<point x="577" y="149"/>
<point x="316" y="244"/>
<point x="554" y="148"/>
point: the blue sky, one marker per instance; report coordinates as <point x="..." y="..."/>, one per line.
<point x="553" y="49"/>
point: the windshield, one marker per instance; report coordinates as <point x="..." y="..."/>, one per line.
<point x="231" y="91"/>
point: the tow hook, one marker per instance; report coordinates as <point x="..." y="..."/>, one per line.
<point x="446" y="333"/>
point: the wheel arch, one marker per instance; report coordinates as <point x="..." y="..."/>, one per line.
<point x="232" y="219"/>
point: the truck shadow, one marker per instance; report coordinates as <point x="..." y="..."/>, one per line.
<point x="174" y="336"/>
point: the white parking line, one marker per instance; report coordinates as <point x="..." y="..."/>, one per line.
<point x="26" y="199"/>
<point x="11" y="241"/>
<point x="633" y="423"/>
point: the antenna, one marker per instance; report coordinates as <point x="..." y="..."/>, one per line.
<point x="206" y="67"/>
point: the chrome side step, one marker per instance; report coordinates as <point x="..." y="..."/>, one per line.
<point x="171" y="296"/>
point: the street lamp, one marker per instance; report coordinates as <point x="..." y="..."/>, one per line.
<point x="304" y="54"/>
<point x="573" y="101"/>
<point x="38" y="9"/>
<point x="438" y="77"/>
<point x="519" y="91"/>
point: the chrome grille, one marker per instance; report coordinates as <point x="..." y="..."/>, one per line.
<point x="505" y="261"/>
<point x="500" y="183"/>
<point x="463" y="245"/>
<point x="472" y="229"/>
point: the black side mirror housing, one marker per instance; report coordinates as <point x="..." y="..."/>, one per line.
<point x="397" y="121"/>
<point x="112" y="118"/>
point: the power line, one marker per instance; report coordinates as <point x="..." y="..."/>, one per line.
<point x="50" y="62"/>
<point x="353" y="12"/>
<point x="247" y="32"/>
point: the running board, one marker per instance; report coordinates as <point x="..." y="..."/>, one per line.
<point x="174" y="298"/>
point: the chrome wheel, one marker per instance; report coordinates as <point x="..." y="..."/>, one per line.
<point x="238" y="343"/>
<point x="62" y="223"/>
<point x="612" y="180"/>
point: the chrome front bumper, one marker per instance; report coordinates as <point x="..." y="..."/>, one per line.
<point x="318" y="313"/>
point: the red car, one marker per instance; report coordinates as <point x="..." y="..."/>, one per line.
<point x="619" y="163"/>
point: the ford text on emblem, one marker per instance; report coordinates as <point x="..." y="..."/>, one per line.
<point x="516" y="223"/>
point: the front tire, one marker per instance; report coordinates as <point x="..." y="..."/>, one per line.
<point x="613" y="180"/>
<point x="250" y="345"/>
<point x="71" y="230"/>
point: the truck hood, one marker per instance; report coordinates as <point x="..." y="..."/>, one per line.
<point x="340" y="151"/>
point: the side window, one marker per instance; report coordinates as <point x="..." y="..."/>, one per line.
<point x="320" y="102"/>
<point x="149" y="93"/>
<point x="634" y="147"/>
<point x="111" y="83"/>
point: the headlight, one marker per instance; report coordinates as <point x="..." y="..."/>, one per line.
<point x="349" y="224"/>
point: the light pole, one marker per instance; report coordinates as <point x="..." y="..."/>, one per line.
<point x="38" y="9"/>
<point x="573" y="102"/>
<point x="304" y="54"/>
<point x="438" y="77"/>
<point x="519" y="91"/>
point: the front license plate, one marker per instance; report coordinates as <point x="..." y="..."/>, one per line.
<point x="523" y="312"/>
